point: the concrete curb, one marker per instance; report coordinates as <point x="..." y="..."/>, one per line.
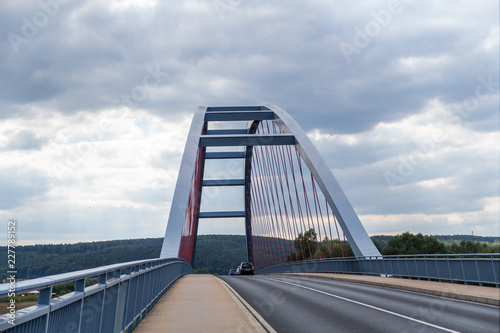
<point x="259" y="323"/>
<point x="393" y="285"/>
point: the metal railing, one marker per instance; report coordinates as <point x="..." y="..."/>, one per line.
<point x="476" y="268"/>
<point x="119" y="298"/>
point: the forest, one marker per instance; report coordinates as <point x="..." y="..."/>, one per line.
<point x="217" y="254"/>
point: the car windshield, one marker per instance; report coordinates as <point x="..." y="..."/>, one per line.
<point x="246" y="265"/>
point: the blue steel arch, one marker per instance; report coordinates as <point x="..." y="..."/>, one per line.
<point x="181" y="231"/>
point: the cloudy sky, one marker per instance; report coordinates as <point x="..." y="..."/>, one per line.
<point x="96" y="98"/>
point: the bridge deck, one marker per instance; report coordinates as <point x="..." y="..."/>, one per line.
<point x="486" y="295"/>
<point x="199" y="303"/>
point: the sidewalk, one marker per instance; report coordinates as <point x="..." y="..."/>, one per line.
<point x="487" y="295"/>
<point x="200" y="303"/>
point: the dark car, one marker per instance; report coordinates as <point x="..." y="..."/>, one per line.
<point x="232" y="272"/>
<point x="245" y="268"/>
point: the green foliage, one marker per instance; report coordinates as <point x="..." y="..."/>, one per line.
<point x="217" y="254"/>
<point x="381" y="241"/>
<point x="469" y="246"/>
<point x="327" y="248"/>
<point x="41" y="260"/>
<point x="333" y="248"/>
<point x="306" y="245"/>
<point x="407" y="243"/>
<point x="201" y="271"/>
<point x="63" y="289"/>
<point x="27" y="298"/>
<point x="448" y="240"/>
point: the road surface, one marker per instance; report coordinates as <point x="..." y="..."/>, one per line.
<point x="296" y="304"/>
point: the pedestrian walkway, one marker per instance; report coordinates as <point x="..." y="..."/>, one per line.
<point x="487" y="295"/>
<point x="200" y="303"/>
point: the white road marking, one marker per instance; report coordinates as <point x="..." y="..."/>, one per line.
<point x="366" y="305"/>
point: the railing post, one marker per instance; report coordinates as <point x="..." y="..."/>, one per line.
<point x="477" y="270"/>
<point x="463" y="270"/>
<point x="449" y="269"/>
<point x="426" y="269"/>
<point x="495" y="275"/>
<point x="44" y="297"/>
<point x="437" y="269"/>
<point x="80" y="288"/>
<point x="102" y="281"/>
<point x="416" y="267"/>
<point x="399" y="266"/>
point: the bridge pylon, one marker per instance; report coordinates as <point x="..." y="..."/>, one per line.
<point x="185" y="214"/>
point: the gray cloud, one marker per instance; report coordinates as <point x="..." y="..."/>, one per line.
<point x="20" y="186"/>
<point x="25" y="140"/>
<point x="167" y="59"/>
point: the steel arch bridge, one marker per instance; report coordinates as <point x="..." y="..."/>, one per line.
<point x="280" y="203"/>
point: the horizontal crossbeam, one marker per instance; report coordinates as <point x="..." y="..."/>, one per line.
<point x="236" y="108"/>
<point x="247" y="140"/>
<point x="224" y="154"/>
<point x="239" y="116"/>
<point x="227" y="131"/>
<point x="210" y="215"/>
<point x="224" y="182"/>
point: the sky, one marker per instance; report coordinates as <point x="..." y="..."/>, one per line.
<point x="401" y="98"/>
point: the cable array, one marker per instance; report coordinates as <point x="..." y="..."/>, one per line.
<point x="291" y="220"/>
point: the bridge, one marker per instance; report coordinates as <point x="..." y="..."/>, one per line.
<point x="299" y="227"/>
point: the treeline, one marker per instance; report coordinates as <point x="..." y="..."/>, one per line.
<point x="307" y="246"/>
<point x="446" y="239"/>
<point x="408" y="243"/>
<point x="41" y="260"/>
<point x="217" y="254"/>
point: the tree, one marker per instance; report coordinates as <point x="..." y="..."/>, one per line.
<point x="407" y="243"/>
<point x="305" y="245"/>
<point x="469" y="246"/>
<point x="333" y="248"/>
<point x="203" y="270"/>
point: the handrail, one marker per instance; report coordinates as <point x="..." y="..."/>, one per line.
<point x="26" y="286"/>
<point x="123" y="295"/>
<point x="467" y="268"/>
<point x="407" y="256"/>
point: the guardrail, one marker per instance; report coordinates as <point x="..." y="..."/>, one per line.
<point x="477" y="268"/>
<point x="122" y="294"/>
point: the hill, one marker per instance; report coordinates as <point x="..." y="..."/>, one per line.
<point x="447" y="239"/>
<point x="215" y="254"/>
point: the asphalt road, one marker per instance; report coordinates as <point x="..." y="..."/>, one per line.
<point x="293" y="304"/>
